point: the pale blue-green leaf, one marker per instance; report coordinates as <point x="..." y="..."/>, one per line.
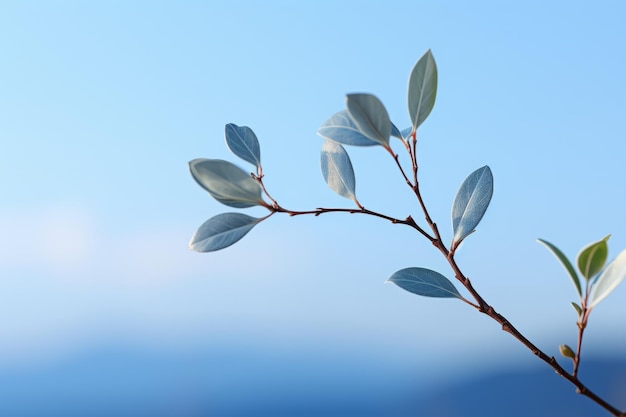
<point x="406" y="132"/>
<point x="242" y="141"/>
<point x="471" y="202"/>
<point x="592" y="257"/>
<point x="395" y="132"/>
<point x="221" y="231"/>
<point x="565" y="262"/>
<point x="422" y="89"/>
<point x="226" y="182"/>
<point x="608" y="280"/>
<point x="337" y="169"/>
<point x="341" y="129"/>
<point x="370" y="116"/>
<point x="422" y="281"/>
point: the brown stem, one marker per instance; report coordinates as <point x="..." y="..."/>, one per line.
<point x="414" y="154"/>
<point x="551" y="361"/>
<point x="259" y="179"/>
<point x="361" y="210"/>
<point x="582" y="324"/>
<point x="395" y="158"/>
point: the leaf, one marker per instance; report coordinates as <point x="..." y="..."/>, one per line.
<point x="395" y="132"/>
<point x="337" y="169"/>
<point x="406" y="132"/>
<point x="341" y="129"/>
<point x="592" y="257"/>
<point x="221" y="231"/>
<point x="370" y="116"/>
<point x="422" y="281"/>
<point x="226" y="182"/>
<point x="566" y="264"/>
<point x="608" y="279"/>
<point x="242" y="141"/>
<point x="577" y="308"/>
<point x="471" y="202"/>
<point x="422" y="89"/>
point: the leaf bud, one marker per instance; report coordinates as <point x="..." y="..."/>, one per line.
<point x="567" y="351"/>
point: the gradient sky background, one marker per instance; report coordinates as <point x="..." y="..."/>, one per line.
<point x="102" y="104"/>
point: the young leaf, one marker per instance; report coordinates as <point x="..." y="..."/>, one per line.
<point x="608" y="279"/>
<point x="395" y="132"/>
<point x="471" y="202"/>
<point x="337" y="169"/>
<point x="227" y="183"/>
<point x="221" y="231"/>
<point x="565" y="262"/>
<point x="422" y="89"/>
<point x="406" y="132"/>
<point x="370" y="116"/>
<point x="341" y="128"/>
<point x="592" y="257"/>
<point x="242" y="141"/>
<point x="422" y="281"/>
<point x="577" y="308"/>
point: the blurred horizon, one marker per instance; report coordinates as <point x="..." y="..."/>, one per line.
<point x="223" y="382"/>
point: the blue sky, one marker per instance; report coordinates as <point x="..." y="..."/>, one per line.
<point x="103" y="104"/>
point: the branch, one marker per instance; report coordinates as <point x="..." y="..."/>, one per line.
<point x="487" y="309"/>
<point x="362" y="210"/>
<point x="482" y="306"/>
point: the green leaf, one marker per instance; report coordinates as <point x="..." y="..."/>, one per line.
<point x="226" y="182"/>
<point x="471" y="202"/>
<point x="422" y="89"/>
<point x="337" y="169"/>
<point x="422" y="281"/>
<point x="221" y="231"/>
<point x="370" y="116"/>
<point x="565" y="262"/>
<point x="608" y="279"/>
<point x="577" y="308"/>
<point x="242" y="141"/>
<point x="592" y="257"/>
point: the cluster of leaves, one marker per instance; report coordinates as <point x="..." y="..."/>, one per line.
<point x="231" y="186"/>
<point x="366" y="122"/>
<point x="599" y="282"/>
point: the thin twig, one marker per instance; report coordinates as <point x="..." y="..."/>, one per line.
<point x="582" y="324"/>
<point x="362" y="210"/>
<point x="395" y="158"/>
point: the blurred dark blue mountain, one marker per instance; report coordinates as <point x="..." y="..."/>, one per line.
<point x="231" y="383"/>
<point x="535" y="392"/>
